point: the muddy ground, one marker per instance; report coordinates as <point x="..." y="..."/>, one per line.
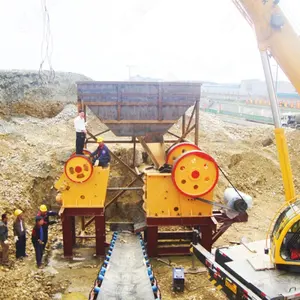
<point x="33" y="151"/>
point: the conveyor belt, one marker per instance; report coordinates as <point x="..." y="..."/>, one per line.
<point x="126" y="277"/>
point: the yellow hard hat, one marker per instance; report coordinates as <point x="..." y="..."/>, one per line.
<point x="43" y="208"/>
<point x="18" y="212"/>
<point x="100" y="139"/>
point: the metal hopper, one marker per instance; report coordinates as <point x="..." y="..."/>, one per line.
<point x="138" y="108"/>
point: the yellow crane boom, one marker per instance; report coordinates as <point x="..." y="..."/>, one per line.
<point x="274" y="33"/>
<point x="276" y="36"/>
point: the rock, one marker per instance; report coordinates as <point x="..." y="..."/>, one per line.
<point x="267" y="142"/>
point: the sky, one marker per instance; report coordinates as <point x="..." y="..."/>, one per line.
<point x="205" y="40"/>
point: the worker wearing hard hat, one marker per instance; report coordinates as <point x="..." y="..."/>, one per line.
<point x="19" y="234"/>
<point x="38" y="239"/>
<point x="4" y="239"/>
<point x="45" y="214"/>
<point x="101" y="154"/>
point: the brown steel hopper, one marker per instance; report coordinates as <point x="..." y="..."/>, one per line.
<point x="145" y="110"/>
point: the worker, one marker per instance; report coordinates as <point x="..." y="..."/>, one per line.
<point x="38" y="238"/>
<point x="79" y="124"/>
<point x="45" y="214"/>
<point x="19" y="234"/>
<point x="101" y="154"/>
<point x="4" y="239"/>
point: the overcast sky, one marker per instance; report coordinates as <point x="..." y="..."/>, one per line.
<point x="168" y="39"/>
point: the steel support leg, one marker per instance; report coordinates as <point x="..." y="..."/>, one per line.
<point x="67" y="236"/>
<point x="100" y="235"/>
<point x="152" y="240"/>
<point x="206" y="237"/>
<point x="73" y="230"/>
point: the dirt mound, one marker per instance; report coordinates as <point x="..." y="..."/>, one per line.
<point x="32" y="151"/>
<point x="24" y="93"/>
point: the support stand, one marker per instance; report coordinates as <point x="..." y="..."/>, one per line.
<point x="69" y="231"/>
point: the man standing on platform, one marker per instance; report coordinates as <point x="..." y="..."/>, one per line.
<point x="79" y="124"/>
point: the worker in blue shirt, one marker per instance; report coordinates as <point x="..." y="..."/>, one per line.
<point x="37" y="238"/>
<point x="101" y="154"/>
<point x="45" y="214"/>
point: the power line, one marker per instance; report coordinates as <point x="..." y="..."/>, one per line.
<point x="46" y="48"/>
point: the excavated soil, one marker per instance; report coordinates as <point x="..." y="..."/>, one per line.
<point x="33" y="151"/>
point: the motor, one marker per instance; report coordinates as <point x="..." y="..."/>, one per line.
<point x="237" y="200"/>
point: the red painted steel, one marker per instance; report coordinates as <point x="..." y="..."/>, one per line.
<point x="69" y="234"/>
<point x="152" y="239"/>
<point x="211" y="228"/>
<point x="100" y="235"/>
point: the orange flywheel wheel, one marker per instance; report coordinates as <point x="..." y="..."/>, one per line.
<point x="78" y="168"/>
<point x="175" y="151"/>
<point x="195" y="173"/>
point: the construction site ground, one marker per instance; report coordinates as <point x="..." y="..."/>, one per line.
<point x="33" y="151"/>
